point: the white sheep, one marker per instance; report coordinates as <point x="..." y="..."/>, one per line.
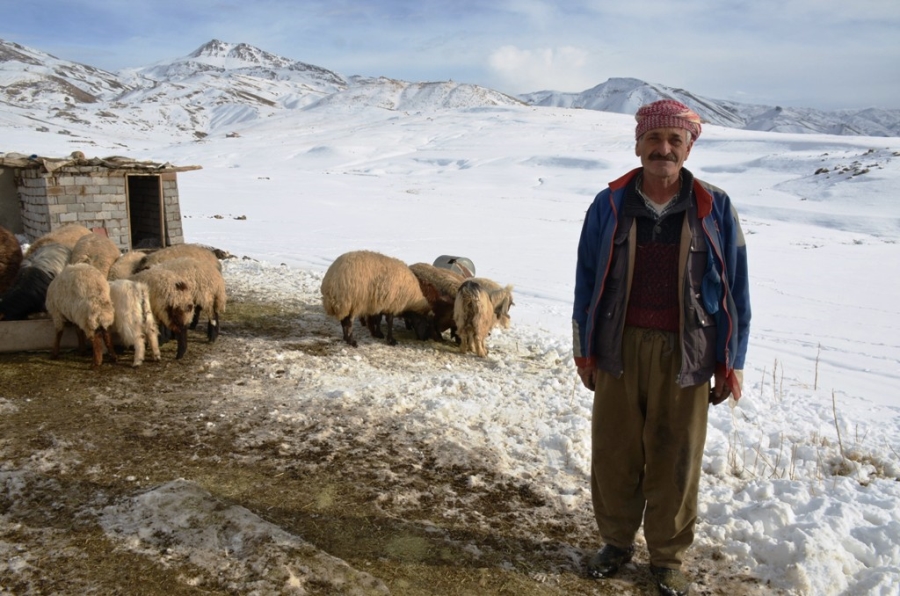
<point x="473" y="314"/>
<point x="207" y="288"/>
<point x="501" y="299"/>
<point x="80" y="295"/>
<point x="171" y="302"/>
<point x="194" y="251"/>
<point x="126" y="265"/>
<point x="97" y="251"/>
<point x="67" y="235"/>
<point x="369" y="284"/>
<point x="134" y="321"/>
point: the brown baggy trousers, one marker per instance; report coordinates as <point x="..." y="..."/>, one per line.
<point x="647" y="436"/>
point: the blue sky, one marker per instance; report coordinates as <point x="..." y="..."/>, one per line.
<point x="805" y="53"/>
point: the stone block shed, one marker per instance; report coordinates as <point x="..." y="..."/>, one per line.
<point x="135" y="203"/>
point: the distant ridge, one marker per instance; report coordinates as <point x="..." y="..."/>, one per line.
<point x="626" y="95"/>
<point x="222" y="85"/>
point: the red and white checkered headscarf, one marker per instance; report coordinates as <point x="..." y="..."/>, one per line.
<point x="667" y="113"/>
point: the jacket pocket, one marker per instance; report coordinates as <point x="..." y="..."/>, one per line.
<point x="614" y="286"/>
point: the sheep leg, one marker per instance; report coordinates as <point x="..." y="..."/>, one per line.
<point x="196" y="318"/>
<point x="181" y="335"/>
<point x="139" y="351"/>
<point x="97" y="342"/>
<point x="110" y="348"/>
<point x="347" y="328"/>
<point x="153" y="338"/>
<point x="390" y="329"/>
<point x="54" y="353"/>
<point x="373" y="322"/>
<point x="212" y="327"/>
<point x="82" y="341"/>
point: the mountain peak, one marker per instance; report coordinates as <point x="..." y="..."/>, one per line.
<point x="228" y="55"/>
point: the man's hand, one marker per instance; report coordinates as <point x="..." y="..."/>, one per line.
<point x="723" y="387"/>
<point x="588" y="377"/>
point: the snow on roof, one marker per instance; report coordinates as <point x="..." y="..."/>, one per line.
<point x="77" y="158"/>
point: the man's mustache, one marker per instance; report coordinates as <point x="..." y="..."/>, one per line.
<point x="660" y="157"/>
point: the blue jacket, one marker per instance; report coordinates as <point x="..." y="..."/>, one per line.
<point x="715" y="313"/>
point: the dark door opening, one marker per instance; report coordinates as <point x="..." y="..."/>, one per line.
<point x="146" y="214"/>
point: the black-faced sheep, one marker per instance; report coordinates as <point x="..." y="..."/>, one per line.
<point x="369" y="284"/>
<point x="501" y="299"/>
<point x="10" y="258"/>
<point x="28" y="292"/>
<point x="126" y="265"/>
<point x="96" y="250"/>
<point x="67" y="235"/>
<point x="170" y="301"/>
<point x="207" y="289"/>
<point x="473" y="314"/>
<point x="79" y="294"/>
<point x="134" y="322"/>
<point x="439" y="286"/>
<point x="194" y="251"/>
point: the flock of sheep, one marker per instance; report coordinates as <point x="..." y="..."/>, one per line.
<point x="80" y="277"/>
<point x="367" y="285"/>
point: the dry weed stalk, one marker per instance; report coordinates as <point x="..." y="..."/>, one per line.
<point x="836" y="427"/>
<point x="816" y="380"/>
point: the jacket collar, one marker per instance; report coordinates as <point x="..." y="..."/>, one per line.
<point x="703" y="196"/>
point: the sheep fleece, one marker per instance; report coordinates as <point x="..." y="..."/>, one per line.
<point x="10" y="258"/>
<point x="96" y="250"/>
<point x="134" y="321"/>
<point x="80" y="295"/>
<point x="194" y="251"/>
<point x="67" y="235"/>
<point x="363" y="283"/>
<point x="474" y="317"/>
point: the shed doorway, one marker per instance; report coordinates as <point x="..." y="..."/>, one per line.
<point x="146" y="214"/>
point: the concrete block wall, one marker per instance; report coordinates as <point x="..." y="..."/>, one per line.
<point x="172" y="206"/>
<point x="92" y="197"/>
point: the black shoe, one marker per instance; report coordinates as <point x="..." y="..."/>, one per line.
<point x="671" y="582"/>
<point x="607" y="561"/>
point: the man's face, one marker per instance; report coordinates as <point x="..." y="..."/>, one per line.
<point x="663" y="151"/>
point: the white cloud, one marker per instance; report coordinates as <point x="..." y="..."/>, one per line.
<point x="563" y="68"/>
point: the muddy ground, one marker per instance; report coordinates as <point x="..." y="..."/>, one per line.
<point x="75" y="442"/>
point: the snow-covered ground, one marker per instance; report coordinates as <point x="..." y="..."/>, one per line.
<point x="801" y="476"/>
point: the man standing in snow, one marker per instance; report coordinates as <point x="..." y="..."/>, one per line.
<point x="662" y="306"/>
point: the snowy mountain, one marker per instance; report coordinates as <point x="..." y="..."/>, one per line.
<point x="625" y="96"/>
<point x="221" y="87"/>
<point x="33" y="78"/>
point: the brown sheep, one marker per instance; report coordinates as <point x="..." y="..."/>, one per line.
<point x="207" y="290"/>
<point x="171" y="302"/>
<point x="439" y="286"/>
<point x="369" y="284"/>
<point x="10" y="258"/>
